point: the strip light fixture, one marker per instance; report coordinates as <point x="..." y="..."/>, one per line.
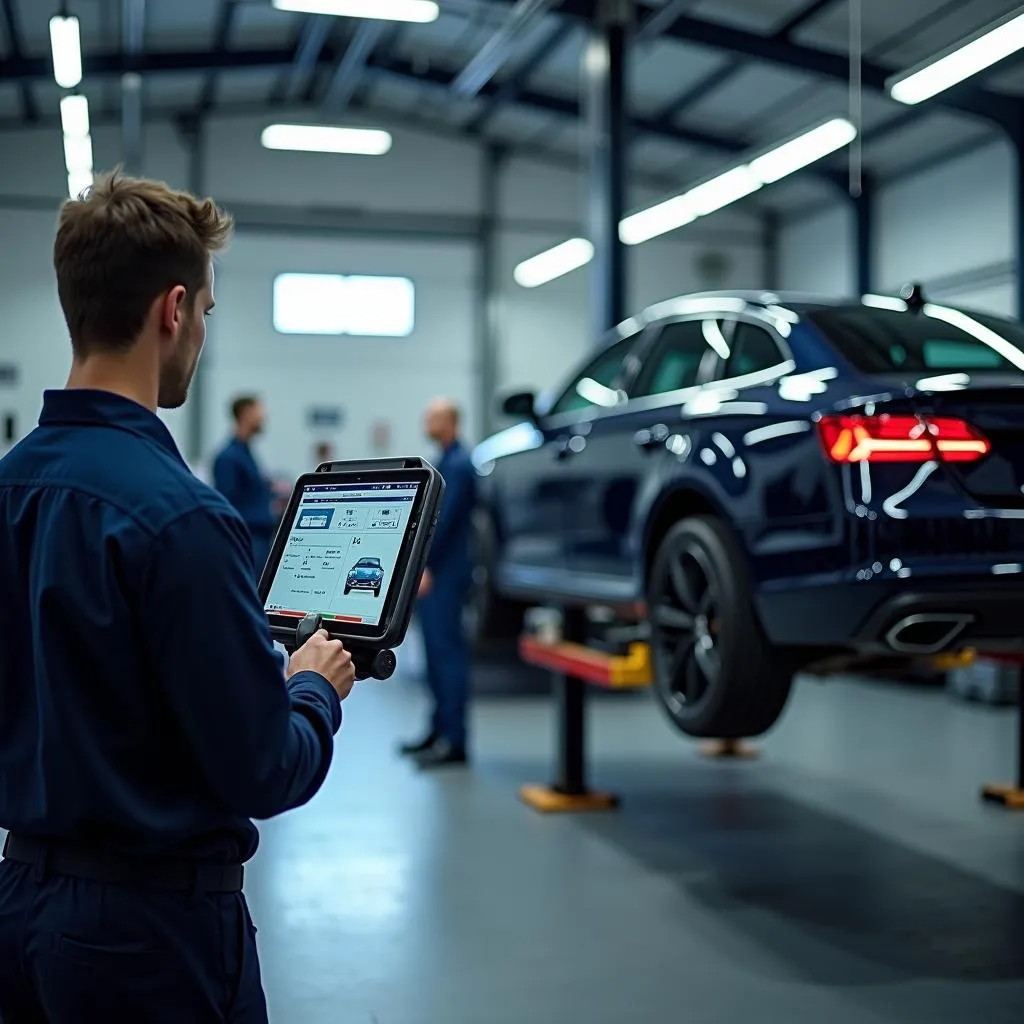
<point x="938" y="74"/>
<point x="553" y="263"/>
<point x="416" y="11"/>
<point x="707" y="197"/>
<point x="313" y="138"/>
<point x="66" y="45"/>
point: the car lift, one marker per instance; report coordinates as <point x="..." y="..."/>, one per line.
<point x="1011" y="797"/>
<point x="573" y="666"/>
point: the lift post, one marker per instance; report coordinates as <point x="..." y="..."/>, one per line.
<point x="573" y="667"/>
<point x="1011" y="797"/>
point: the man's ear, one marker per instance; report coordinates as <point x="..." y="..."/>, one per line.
<point x="172" y="309"/>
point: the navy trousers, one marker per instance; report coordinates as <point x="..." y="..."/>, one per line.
<point x="74" y="951"/>
<point x="447" y="653"/>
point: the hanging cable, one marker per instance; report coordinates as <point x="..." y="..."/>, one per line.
<point x="856" y="95"/>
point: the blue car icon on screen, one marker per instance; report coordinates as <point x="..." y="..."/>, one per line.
<point x="366" y="574"/>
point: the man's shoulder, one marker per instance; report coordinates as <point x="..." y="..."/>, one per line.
<point x="145" y="483"/>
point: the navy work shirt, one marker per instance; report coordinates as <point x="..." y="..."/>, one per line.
<point x="237" y="476"/>
<point x="450" y="553"/>
<point x="143" y="707"/>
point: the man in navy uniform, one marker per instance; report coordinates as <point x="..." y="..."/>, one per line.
<point x="237" y="475"/>
<point x="443" y="594"/>
<point x="145" y="716"/>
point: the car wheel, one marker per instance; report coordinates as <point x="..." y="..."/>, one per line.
<point x="348" y="590"/>
<point x="487" y="615"/>
<point x="716" y="674"/>
<point x="376" y="592"/>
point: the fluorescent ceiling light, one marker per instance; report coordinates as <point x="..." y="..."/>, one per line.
<point x="656" y="220"/>
<point x="419" y="11"/>
<point x="701" y="200"/>
<point x="74" y="116"/>
<point x="312" y="138"/>
<point x="78" y="182"/>
<point x="803" y="151"/>
<point x="556" y="262"/>
<point x="66" y="43"/>
<point x="78" y="154"/>
<point x="721" y="191"/>
<point x="967" y="60"/>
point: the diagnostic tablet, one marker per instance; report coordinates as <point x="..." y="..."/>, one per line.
<point x="351" y="548"/>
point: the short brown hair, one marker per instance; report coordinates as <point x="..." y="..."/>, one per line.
<point x="122" y="244"/>
<point x="241" y="404"/>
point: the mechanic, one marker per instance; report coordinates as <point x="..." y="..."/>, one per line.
<point x="443" y="594"/>
<point x="237" y="475"/>
<point x="145" y="716"/>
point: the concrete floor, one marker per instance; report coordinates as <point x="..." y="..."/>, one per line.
<point x="850" y="875"/>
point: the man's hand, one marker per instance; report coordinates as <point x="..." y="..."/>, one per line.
<point x="327" y="657"/>
<point x="426" y="583"/>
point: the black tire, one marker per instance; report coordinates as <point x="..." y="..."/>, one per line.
<point x="489" y="618"/>
<point x="348" y="590"/>
<point x="716" y="673"/>
<point x="376" y="592"/>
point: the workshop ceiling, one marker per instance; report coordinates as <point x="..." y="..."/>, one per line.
<point x="709" y="80"/>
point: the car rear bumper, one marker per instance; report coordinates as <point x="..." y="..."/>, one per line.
<point x="890" y="617"/>
<point x="363" y="584"/>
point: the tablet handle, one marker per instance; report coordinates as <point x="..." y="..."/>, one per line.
<point x="369" y="663"/>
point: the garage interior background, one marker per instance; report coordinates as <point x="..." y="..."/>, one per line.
<point x="477" y="181"/>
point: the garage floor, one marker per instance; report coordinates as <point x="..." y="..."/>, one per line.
<point x="849" y="876"/>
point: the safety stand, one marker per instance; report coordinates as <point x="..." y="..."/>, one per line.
<point x="729" y="750"/>
<point x="1011" y="797"/>
<point x="574" y="666"/>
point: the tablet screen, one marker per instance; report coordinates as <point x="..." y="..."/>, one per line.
<point x="340" y="556"/>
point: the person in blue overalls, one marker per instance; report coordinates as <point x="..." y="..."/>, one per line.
<point x="443" y="594"/>
<point x="145" y="718"/>
<point x="237" y="475"/>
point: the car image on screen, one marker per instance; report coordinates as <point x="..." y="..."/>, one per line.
<point x="366" y="574"/>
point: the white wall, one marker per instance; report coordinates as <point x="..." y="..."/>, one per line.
<point x="816" y="253"/>
<point x="541" y="332"/>
<point x="950" y="227"/>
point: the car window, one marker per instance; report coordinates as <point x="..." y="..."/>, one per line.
<point x="933" y="339"/>
<point x="675" y="361"/>
<point x="594" y="386"/>
<point x="753" y="350"/>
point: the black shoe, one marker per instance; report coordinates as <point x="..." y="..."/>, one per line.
<point x="441" y="755"/>
<point x="410" y="749"/>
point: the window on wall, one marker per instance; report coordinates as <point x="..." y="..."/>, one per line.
<point x="378" y="307"/>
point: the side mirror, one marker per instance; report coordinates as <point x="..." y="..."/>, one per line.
<point x="520" y="405"/>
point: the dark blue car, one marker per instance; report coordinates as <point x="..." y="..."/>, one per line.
<point x="778" y="482"/>
<point x="366" y="574"/>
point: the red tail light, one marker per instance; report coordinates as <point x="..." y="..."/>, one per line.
<point x="901" y="439"/>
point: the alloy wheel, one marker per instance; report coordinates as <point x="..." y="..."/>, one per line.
<point x="684" y="615"/>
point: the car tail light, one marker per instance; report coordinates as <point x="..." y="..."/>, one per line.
<point x="901" y="439"/>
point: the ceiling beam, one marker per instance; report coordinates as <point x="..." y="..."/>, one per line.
<point x="717" y="78"/>
<point x="349" y="71"/>
<point x="511" y="89"/>
<point x="221" y="38"/>
<point x="299" y="79"/>
<point x="494" y="53"/>
<point x="9" y="19"/>
<point x="965" y="99"/>
<point x="133" y="33"/>
<point x="100" y="65"/>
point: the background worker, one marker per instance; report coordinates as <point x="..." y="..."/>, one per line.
<point x="443" y="594"/>
<point x="146" y="718"/>
<point x="237" y="475"/>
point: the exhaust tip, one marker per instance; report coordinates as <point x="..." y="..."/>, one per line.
<point x="927" y="633"/>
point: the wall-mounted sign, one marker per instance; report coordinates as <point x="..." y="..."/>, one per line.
<point x="325" y="417"/>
